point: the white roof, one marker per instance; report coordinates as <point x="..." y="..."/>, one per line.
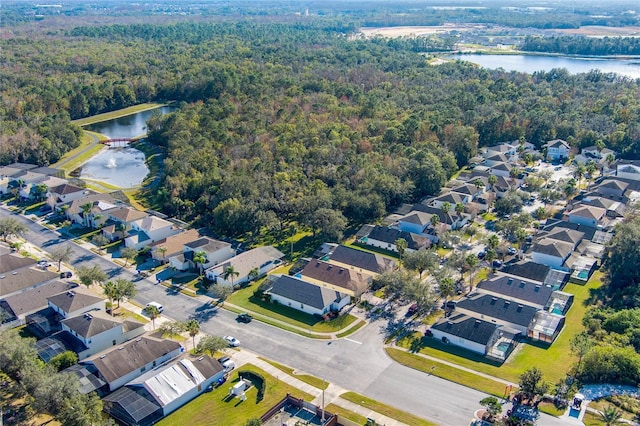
<point x="171" y="383"/>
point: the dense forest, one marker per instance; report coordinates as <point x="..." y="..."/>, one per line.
<point x="295" y="121"/>
<point x="569" y="45"/>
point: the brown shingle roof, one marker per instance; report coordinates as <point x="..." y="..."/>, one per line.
<point x="23" y="278"/>
<point x="74" y="300"/>
<point x="175" y="243"/>
<point x="347" y="279"/>
<point x="126" y="214"/>
<point x="10" y="262"/>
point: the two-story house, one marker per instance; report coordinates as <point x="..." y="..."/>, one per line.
<point x="557" y="150"/>
<point x="148" y="230"/>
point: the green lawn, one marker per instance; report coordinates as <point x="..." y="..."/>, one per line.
<point x="214" y="408"/>
<point x="386" y="410"/>
<point x="346" y="414"/>
<point x="554" y="360"/>
<point x="448" y="372"/>
<point x="371" y="249"/>
<point x="352" y="330"/>
<point x="311" y="380"/>
<point x="244" y="298"/>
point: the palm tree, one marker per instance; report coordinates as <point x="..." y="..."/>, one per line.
<point x="493" y="241"/>
<point x="579" y="173"/>
<point x="86" y="208"/>
<point x="124" y="289"/>
<point x="230" y="273"/>
<point x="193" y="327"/>
<point x="111" y="291"/>
<point x="162" y="250"/>
<point x="401" y="246"/>
<point x="253" y="274"/>
<point x="447" y="288"/>
<point x="152" y="312"/>
<point x="478" y="184"/>
<point x="435" y="220"/>
<point x="611" y="416"/>
<point x="492" y="180"/>
<point x="446" y="207"/>
<point x="199" y="258"/>
<point x="459" y="208"/>
<point x="471" y="261"/>
<point x="610" y="159"/>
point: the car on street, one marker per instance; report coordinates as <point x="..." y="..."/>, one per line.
<point x="244" y="317"/>
<point x="232" y="341"/>
<point x="67" y="274"/>
<point x="496" y="264"/>
<point x="512" y="251"/>
<point x="44" y="263"/>
<point x="482" y="255"/>
<point x="412" y="309"/>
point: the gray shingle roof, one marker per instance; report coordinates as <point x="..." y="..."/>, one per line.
<point x="132" y="355"/>
<point x="337" y="276"/>
<point x="498" y="308"/>
<point x="513" y="288"/>
<point x="35" y="299"/>
<point x="74" y="300"/>
<point x="362" y="259"/>
<point x="391" y="235"/>
<point x="91" y="324"/>
<point x="303" y="292"/>
<point x="10" y="262"/>
<point x="466" y="327"/>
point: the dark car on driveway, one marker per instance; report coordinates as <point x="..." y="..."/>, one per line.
<point x="246" y="318"/>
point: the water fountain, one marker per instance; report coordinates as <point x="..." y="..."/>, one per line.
<point x="111" y="163"/>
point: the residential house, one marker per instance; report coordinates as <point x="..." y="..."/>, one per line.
<point x="307" y="297"/>
<point x="336" y="278"/>
<point x="173" y="245"/>
<point x="65" y="193"/>
<point x="38" y="186"/>
<point x="467" y="332"/>
<point x="628" y="169"/>
<point x="469" y="189"/>
<point x="22" y="278"/>
<point x="13" y="262"/>
<point x="31" y="300"/>
<point x="612" y="187"/>
<point x="360" y="261"/>
<point x="536" y="273"/>
<point x="163" y="390"/>
<point x="416" y="222"/>
<point x="551" y="252"/>
<point x="119" y="220"/>
<point x="261" y="259"/>
<point x="450" y="220"/>
<point x="498" y="310"/>
<point x="614" y="209"/>
<point x="502" y="169"/>
<point x="557" y="150"/>
<point x="452" y="198"/>
<point x="507" y="149"/>
<point x="7" y="174"/>
<point x="148" y="230"/>
<point x="594" y="217"/>
<point x="385" y="238"/>
<point x="597" y="153"/>
<point x="495" y="158"/>
<point x="517" y="290"/>
<point x="98" y="331"/>
<point x="89" y="209"/>
<point x="117" y="366"/>
<point x="215" y="252"/>
<point x="75" y="302"/>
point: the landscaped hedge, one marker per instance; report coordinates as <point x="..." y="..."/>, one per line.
<point x="258" y="381"/>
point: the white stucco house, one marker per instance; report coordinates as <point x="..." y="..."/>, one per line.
<point x="262" y="259"/>
<point x="148" y="230"/>
<point x="557" y="150"/>
<point x="305" y="296"/>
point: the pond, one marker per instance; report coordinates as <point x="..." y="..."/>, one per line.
<point x="121" y="167"/>
<point x="533" y="63"/>
<point x="129" y="126"/>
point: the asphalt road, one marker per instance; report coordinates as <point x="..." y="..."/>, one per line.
<point x="357" y="363"/>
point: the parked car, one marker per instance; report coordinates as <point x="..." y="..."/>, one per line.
<point x="44" y="263"/>
<point x="244" y="317"/>
<point x="67" y="274"/>
<point x="412" y="309"/>
<point x="482" y="255"/>
<point x="496" y="264"/>
<point x="512" y="251"/>
<point x="232" y="341"/>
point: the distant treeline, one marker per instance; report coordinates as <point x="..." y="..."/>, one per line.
<point x="572" y="45"/>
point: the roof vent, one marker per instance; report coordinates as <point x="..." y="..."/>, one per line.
<point x="537" y="289"/>
<point x="510" y="281"/>
<point x="522" y="283"/>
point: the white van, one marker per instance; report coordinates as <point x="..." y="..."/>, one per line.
<point x="157" y="305"/>
<point x="229" y="365"/>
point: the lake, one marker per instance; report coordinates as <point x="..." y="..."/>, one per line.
<point x="533" y="63"/>
<point x="129" y="126"/>
<point x="121" y="167"/>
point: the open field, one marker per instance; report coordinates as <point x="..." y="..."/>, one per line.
<point x="600" y="31"/>
<point x="416" y="31"/>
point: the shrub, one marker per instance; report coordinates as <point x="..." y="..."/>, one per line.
<point x="258" y="381"/>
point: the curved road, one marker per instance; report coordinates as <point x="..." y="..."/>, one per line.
<point x="357" y="363"/>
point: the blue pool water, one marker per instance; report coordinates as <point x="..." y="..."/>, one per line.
<point x="574" y="413"/>
<point x="503" y="346"/>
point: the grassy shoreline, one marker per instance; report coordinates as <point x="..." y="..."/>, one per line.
<point x="116" y="114"/>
